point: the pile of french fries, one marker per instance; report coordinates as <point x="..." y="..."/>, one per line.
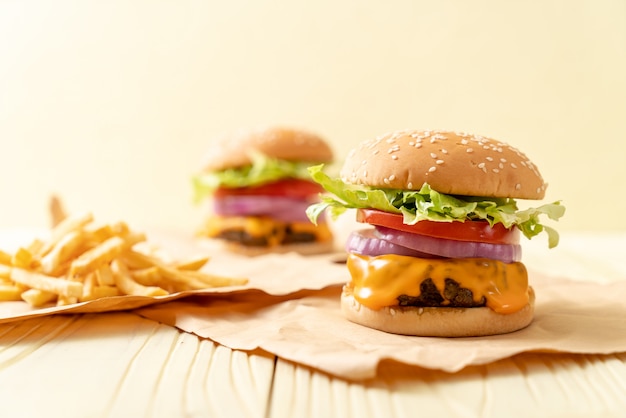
<point x="83" y="260"/>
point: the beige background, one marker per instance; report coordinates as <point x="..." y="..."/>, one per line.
<point x="111" y="104"/>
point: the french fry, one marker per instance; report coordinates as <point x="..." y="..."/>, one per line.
<point x="102" y="232"/>
<point x="120" y="229"/>
<point x="104" y="276"/>
<point x="136" y="260"/>
<point x="57" y="212"/>
<point x="66" y="226"/>
<point x="22" y="258"/>
<point x="150" y="276"/>
<point x="101" y="292"/>
<point x="65" y="249"/>
<point x="37" y="298"/>
<point x="99" y="233"/>
<point x="212" y="280"/>
<point x="105" y="292"/>
<point x="97" y="256"/>
<point x="89" y="285"/>
<point x="10" y="292"/>
<point x="63" y="300"/>
<point x="5" y="272"/>
<point x="155" y="276"/>
<point x="35" y="246"/>
<point x="192" y="264"/>
<point x="5" y="258"/>
<point x="127" y="285"/>
<point x="35" y="280"/>
<point x="133" y="238"/>
<point x="178" y="279"/>
<point x="182" y="279"/>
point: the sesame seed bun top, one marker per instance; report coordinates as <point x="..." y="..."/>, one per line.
<point x="235" y="149"/>
<point x="450" y="162"/>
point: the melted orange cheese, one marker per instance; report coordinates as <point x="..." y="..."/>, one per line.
<point x="259" y="226"/>
<point x="378" y="281"/>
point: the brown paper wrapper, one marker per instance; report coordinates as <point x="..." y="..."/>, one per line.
<point x="308" y="328"/>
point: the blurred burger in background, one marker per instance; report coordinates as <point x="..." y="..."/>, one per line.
<point x="257" y="188"/>
<point x="440" y="255"/>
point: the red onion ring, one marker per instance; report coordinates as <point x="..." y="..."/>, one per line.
<point x="450" y="248"/>
<point x="277" y="207"/>
<point x="366" y="242"/>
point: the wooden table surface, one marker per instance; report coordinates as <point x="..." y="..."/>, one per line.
<point x="123" y="365"/>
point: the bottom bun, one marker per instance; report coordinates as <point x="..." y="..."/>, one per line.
<point x="437" y="322"/>
<point x="310" y="248"/>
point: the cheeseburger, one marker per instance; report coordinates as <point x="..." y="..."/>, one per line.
<point x="257" y="186"/>
<point x="441" y="255"/>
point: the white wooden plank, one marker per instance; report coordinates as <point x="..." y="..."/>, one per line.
<point x="123" y="365"/>
<point x="531" y="384"/>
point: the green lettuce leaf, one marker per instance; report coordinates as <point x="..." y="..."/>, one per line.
<point x="428" y="204"/>
<point x="262" y="170"/>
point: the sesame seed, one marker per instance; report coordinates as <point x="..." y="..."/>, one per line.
<point x="392" y="311"/>
<point x="495" y="170"/>
<point x="433" y="155"/>
<point x="470" y="150"/>
<point x="411" y="143"/>
<point x="538" y="189"/>
<point x="518" y="186"/>
<point x="445" y="151"/>
<point x="394" y="157"/>
<point x="503" y="160"/>
<point x="464" y="142"/>
<point x="489" y="158"/>
<point x="364" y="173"/>
<point x="513" y="165"/>
<point x="418" y="145"/>
<point x="410" y="185"/>
<point x="501" y="165"/>
<point x="392" y="177"/>
<point x="481" y="165"/>
<point x="386" y="180"/>
<point x="363" y="162"/>
<point x="431" y="169"/>
<point x="486" y="147"/>
<point x="439" y="162"/>
<point x="390" y="141"/>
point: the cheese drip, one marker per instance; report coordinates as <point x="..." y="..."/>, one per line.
<point x="378" y="281"/>
<point x="261" y="226"/>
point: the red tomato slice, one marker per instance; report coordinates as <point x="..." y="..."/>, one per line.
<point x="474" y="231"/>
<point x="294" y="188"/>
